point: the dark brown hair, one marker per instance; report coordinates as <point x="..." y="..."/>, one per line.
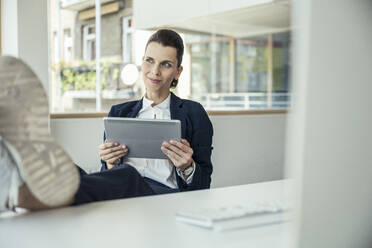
<point x="170" y="38"/>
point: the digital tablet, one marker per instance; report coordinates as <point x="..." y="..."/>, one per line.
<point x="143" y="137"/>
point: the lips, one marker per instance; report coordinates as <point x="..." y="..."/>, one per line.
<point x="154" y="81"/>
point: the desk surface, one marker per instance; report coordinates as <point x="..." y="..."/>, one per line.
<point x="144" y="222"/>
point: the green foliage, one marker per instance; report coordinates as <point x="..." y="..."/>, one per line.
<point x="82" y="75"/>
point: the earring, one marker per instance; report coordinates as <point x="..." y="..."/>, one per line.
<point x="174" y="83"/>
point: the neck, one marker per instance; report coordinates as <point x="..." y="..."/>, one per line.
<point x="157" y="98"/>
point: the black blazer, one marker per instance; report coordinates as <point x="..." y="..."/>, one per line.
<point x="196" y="128"/>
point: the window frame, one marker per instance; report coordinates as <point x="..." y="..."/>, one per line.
<point x="127" y="33"/>
<point x="209" y="112"/>
<point x="232" y="55"/>
<point x="127" y="54"/>
<point x="67" y="44"/>
<point x="86" y="39"/>
<point x="1" y="49"/>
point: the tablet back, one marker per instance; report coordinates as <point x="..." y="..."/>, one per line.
<point x="143" y="137"/>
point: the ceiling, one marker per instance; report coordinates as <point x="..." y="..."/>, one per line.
<point x="244" y="22"/>
<point x="259" y="19"/>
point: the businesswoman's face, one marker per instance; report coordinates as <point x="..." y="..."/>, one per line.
<point x="159" y="68"/>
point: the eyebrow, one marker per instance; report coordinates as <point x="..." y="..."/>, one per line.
<point x="164" y="61"/>
<point x="167" y="61"/>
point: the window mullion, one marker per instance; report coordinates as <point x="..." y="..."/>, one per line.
<point x="269" y="70"/>
<point x="232" y="64"/>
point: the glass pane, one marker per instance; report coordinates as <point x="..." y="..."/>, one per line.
<point x="221" y="71"/>
<point x="252" y="64"/>
<point x="91" y="30"/>
<point x="210" y="67"/>
<point x="73" y="60"/>
<point x="281" y="70"/>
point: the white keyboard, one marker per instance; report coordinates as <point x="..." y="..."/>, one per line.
<point x="236" y="217"/>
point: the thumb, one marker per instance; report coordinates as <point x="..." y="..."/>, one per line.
<point x="185" y="142"/>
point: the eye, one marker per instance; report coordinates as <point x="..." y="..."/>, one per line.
<point x="149" y="60"/>
<point x="166" y="65"/>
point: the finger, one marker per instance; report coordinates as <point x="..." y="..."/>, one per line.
<point x="175" y="149"/>
<point x="175" y="158"/>
<point x="116" y="160"/>
<point x="107" y="144"/>
<point x="185" y="142"/>
<point x="184" y="158"/>
<point x="103" y="150"/>
<point x="110" y="158"/>
<point x="113" y="155"/>
<point x="183" y="147"/>
<point x="112" y="144"/>
<point x="111" y="150"/>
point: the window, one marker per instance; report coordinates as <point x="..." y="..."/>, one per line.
<point x="127" y="39"/>
<point x="55" y="48"/>
<point x="222" y="72"/>
<point x="252" y="64"/>
<point x="73" y="67"/>
<point x="89" y="45"/>
<point x="240" y="73"/>
<point x="281" y="70"/>
<point x="210" y="67"/>
<point x="67" y="45"/>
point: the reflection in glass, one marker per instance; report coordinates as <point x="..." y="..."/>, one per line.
<point x="240" y="73"/>
<point x="210" y="67"/>
<point x="251" y="64"/>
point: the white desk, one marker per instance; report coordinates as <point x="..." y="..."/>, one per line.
<point x="144" y="222"/>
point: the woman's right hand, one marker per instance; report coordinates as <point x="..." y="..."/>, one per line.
<point x="111" y="153"/>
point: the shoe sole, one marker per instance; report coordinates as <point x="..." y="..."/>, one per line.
<point x="46" y="169"/>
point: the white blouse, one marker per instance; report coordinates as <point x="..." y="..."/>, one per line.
<point x="160" y="170"/>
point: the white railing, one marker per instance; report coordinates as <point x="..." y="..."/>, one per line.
<point x="242" y="101"/>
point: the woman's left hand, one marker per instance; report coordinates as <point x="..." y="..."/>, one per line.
<point x="180" y="153"/>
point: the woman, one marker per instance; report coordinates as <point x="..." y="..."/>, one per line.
<point x="189" y="166"/>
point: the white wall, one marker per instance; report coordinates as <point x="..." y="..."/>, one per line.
<point x="171" y="11"/>
<point x="80" y="138"/>
<point x="330" y="132"/>
<point x="247" y="148"/>
<point x="33" y="37"/>
<point x="25" y="34"/>
<point x="9" y="27"/>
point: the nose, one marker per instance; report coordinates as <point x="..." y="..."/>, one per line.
<point x="155" y="70"/>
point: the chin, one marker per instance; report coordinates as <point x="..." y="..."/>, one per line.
<point x="153" y="86"/>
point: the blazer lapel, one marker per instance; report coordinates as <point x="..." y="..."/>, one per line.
<point x="177" y="113"/>
<point x="134" y="112"/>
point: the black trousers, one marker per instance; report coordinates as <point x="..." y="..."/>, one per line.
<point x="117" y="183"/>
